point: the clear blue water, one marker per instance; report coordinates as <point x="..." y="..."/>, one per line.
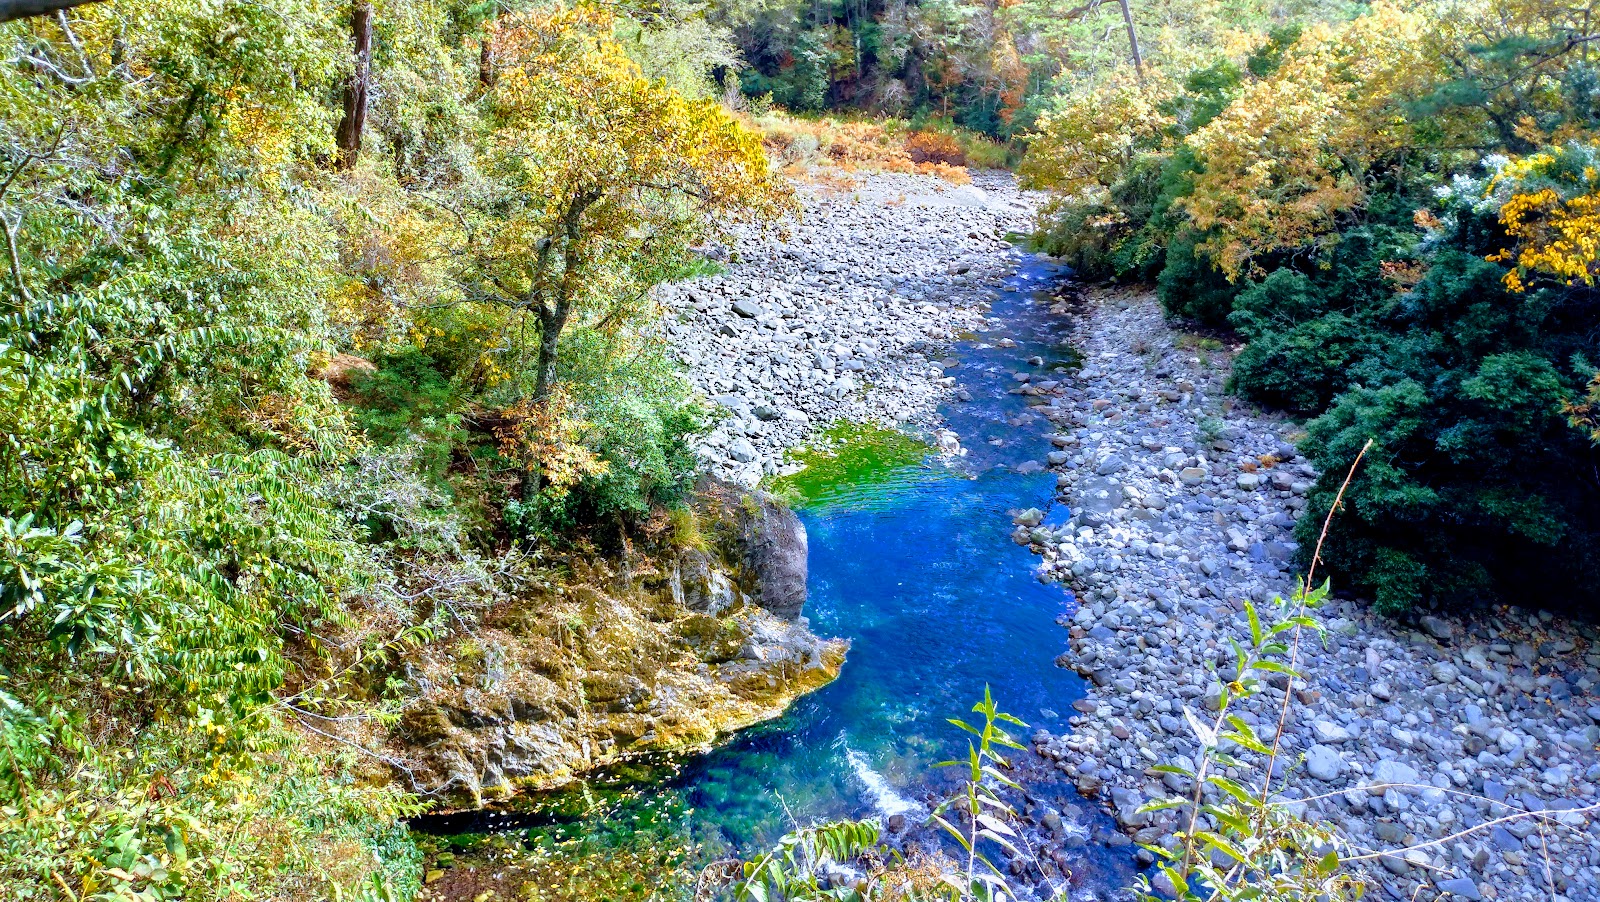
<point x="921" y="574"/>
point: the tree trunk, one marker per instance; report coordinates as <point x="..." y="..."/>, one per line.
<point x="11" y="10"/>
<point x="551" y="322"/>
<point x="550" y="325"/>
<point x="1133" y="39"/>
<point x="485" y="62"/>
<point x="355" y="90"/>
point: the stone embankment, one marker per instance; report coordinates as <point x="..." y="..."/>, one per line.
<point x="846" y="316"/>
<point x="1184" y="504"/>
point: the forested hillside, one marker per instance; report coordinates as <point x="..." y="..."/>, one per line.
<point x="988" y="66"/>
<point x="321" y="322"/>
<point x="1396" y="213"/>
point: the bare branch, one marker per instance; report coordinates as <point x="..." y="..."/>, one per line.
<point x="10" y="229"/>
<point x="66" y="29"/>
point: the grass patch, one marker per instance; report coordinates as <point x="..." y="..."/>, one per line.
<point x="847" y="457"/>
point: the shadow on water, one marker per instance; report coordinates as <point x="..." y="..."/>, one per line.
<point x="921" y="573"/>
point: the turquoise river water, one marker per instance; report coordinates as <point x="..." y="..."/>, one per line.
<point x="919" y="571"/>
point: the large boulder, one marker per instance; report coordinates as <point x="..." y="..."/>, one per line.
<point x="763" y="543"/>
<point x="675" y="649"/>
<point x="775" y="551"/>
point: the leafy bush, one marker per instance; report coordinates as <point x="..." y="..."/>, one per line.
<point x="640" y="415"/>
<point x="1189" y="287"/>
<point x="1389" y="284"/>
<point x="408" y="395"/>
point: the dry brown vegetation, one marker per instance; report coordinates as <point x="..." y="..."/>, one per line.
<point x="810" y="149"/>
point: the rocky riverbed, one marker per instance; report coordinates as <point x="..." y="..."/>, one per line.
<point x="846" y="316"/>
<point x="1183" y="506"/>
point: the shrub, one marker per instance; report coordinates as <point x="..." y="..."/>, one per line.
<point x="935" y="147"/>
<point x="1390" y="285"/>
<point x="1189" y="287"/>
<point x="638" y="415"/>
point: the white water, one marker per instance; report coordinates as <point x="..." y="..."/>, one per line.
<point x="876" y="789"/>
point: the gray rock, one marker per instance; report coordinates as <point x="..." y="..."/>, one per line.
<point x="1324" y="763"/>
<point x="1504" y="840"/>
<point x="747" y="309"/>
<point x="1030" y="518"/>
<point x="703" y="587"/>
<point x="1460" y="886"/>
<point x="770" y="548"/>
<point x="1125" y="803"/>
<point x="1391" y="771"/>
<point x="1328" y="732"/>
<point x="1437" y="627"/>
<point x="1113" y="463"/>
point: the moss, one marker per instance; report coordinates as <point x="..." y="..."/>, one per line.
<point x="424" y="724"/>
<point x="848" y="456"/>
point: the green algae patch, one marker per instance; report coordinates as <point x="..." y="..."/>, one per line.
<point x="848" y="459"/>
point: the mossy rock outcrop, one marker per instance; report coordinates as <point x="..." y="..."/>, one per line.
<point x="667" y="651"/>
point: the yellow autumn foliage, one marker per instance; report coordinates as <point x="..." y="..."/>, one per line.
<point x="1292" y="151"/>
<point x="1085" y="143"/>
<point x="1557" y="233"/>
<point x="593" y="177"/>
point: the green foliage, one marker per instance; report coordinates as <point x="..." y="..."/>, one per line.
<point x="801" y="83"/>
<point x="1478" y="485"/>
<point x="992" y="68"/>
<point x="793" y="870"/>
<point x="641" y="415"/>
<point x="219" y="527"/>
<point x="981" y="813"/>
<point x="1239" y="841"/>
<point x="164" y="538"/>
<point x="1377" y="273"/>
<point x="675" y="45"/>
<point x="407" y="395"/>
<point x="1189" y="287"/>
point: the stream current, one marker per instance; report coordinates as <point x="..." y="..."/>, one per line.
<point x="917" y="567"/>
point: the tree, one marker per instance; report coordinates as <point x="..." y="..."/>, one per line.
<point x="1292" y="153"/>
<point x="354" y="120"/>
<point x="592" y="175"/>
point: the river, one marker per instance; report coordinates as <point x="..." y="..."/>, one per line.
<point x="918" y="569"/>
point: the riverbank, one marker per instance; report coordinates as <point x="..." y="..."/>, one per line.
<point x="847" y="316"/>
<point x="1183" y="505"/>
